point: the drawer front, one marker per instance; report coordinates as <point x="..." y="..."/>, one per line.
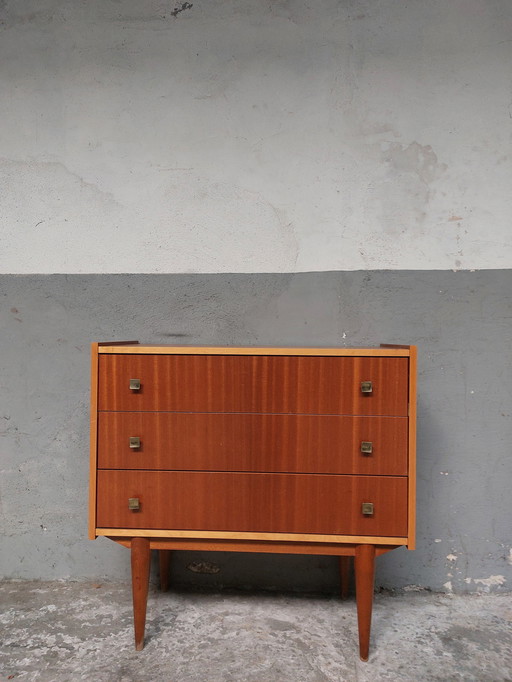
<point x="288" y="503"/>
<point x="253" y="442"/>
<point x="262" y="384"/>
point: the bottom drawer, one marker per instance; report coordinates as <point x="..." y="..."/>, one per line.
<point x="253" y="502"/>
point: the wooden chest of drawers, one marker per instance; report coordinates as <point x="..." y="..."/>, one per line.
<point x="287" y="450"/>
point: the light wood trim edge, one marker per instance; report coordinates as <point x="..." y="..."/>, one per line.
<point x="228" y="535"/>
<point x="411" y="544"/>
<point x="311" y="548"/>
<point x="226" y="350"/>
<point x="93" y="441"/>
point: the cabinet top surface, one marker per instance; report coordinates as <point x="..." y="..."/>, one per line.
<point x="140" y="349"/>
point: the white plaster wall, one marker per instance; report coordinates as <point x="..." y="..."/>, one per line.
<point x="255" y="136"/>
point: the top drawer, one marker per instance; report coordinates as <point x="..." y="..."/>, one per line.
<point x="262" y="384"/>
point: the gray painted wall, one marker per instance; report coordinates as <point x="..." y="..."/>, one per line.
<point x="462" y="323"/>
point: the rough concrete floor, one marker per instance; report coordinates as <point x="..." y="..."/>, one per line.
<point x="83" y="631"/>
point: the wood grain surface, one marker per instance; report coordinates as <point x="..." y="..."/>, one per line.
<point x="258" y="384"/>
<point x="291" y="503"/>
<point x="253" y="442"/>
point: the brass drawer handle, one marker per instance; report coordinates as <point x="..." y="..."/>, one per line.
<point x="133" y="503"/>
<point x="367" y="508"/>
<point x="134" y="442"/>
<point x="366" y="387"/>
<point x="367" y="447"/>
<point x="134" y="384"/>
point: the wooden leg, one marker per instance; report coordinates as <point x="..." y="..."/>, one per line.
<point x="345" y="566"/>
<point x="141" y="559"/>
<point x="365" y="572"/>
<point x="164" y="557"/>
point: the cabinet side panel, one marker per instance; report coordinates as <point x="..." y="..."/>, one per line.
<point x="411" y="544"/>
<point x="93" y="441"/>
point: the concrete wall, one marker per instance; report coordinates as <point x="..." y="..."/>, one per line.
<point x="286" y="136"/>
<point x="342" y="157"/>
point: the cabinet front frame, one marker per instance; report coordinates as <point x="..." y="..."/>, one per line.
<point x="240" y="541"/>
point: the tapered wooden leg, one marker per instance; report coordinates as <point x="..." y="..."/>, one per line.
<point x="164" y="558"/>
<point x="345" y="566"/>
<point x="141" y="559"/>
<point x="365" y="572"/>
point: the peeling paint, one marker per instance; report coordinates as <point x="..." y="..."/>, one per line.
<point x="452" y="557"/>
<point x="491" y="581"/>
<point x="181" y="8"/>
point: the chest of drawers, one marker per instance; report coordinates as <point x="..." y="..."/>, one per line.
<point x="291" y="450"/>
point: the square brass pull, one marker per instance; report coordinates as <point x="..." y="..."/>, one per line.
<point x="134" y="384"/>
<point x="366" y="387"/>
<point x="367" y="447"/>
<point x="367" y="508"/>
<point x="133" y="503"/>
<point x="134" y="442"/>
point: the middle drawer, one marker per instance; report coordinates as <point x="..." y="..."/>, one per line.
<point x="253" y="442"/>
